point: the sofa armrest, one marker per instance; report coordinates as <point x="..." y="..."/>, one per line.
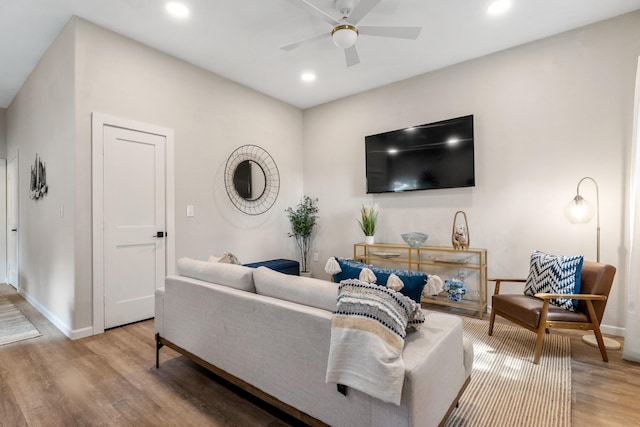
<point x="592" y="297"/>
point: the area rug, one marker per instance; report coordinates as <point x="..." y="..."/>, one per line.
<point x="14" y="326"/>
<point x="506" y="388"/>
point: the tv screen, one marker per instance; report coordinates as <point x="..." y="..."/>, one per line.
<point x="434" y="155"/>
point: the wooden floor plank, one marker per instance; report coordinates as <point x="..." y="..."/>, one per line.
<point x="110" y="379"/>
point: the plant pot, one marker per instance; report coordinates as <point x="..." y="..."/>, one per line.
<point x="369" y="240"/>
<point x="455" y="296"/>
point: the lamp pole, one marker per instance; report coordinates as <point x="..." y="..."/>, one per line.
<point x="579" y="197"/>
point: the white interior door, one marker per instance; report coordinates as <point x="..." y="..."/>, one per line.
<point x="134" y="223"/>
<point x="13" y="276"/>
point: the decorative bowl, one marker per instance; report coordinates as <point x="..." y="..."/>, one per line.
<point x="414" y="239"/>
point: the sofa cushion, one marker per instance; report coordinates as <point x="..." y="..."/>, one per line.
<point x="231" y="275"/>
<point x="555" y="274"/>
<point x="414" y="281"/>
<point x="302" y="290"/>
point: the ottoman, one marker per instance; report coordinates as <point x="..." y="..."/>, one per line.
<point x="286" y="266"/>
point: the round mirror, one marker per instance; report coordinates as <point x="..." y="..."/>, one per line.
<point x="252" y="179"/>
<point x="249" y="180"/>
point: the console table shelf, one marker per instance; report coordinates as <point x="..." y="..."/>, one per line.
<point x="469" y="265"/>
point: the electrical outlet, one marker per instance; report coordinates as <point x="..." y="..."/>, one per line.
<point x="315" y="256"/>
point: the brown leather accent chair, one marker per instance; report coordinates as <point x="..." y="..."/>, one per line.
<point x="536" y="314"/>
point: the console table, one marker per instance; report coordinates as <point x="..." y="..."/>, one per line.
<point x="469" y="265"/>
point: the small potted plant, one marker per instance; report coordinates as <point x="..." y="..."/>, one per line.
<point x="303" y="219"/>
<point x="367" y="221"/>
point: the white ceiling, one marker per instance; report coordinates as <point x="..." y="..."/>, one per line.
<point x="241" y="39"/>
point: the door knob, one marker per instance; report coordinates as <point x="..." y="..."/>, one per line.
<point x="159" y="234"/>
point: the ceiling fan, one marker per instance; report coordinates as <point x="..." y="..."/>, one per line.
<point x="345" y="33"/>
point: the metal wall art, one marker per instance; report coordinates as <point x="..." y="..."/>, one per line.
<point x="460" y="233"/>
<point x="38" y="180"/>
<point x="251" y="179"/>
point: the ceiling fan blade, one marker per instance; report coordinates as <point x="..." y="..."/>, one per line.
<point x="394" y="32"/>
<point x="361" y="10"/>
<point x="319" y="13"/>
<point x="351" y="55"/>
<point x="299" y="43"/>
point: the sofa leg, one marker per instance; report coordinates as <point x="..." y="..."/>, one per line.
<point x="159" y="345"/>
<point x="342" y="389"/>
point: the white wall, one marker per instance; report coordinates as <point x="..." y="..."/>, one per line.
<point x="3" y="133"/>
<point x="90" y="69"/>
<point x="546" y="114"/>
<point x="211" y="117"/>
<point x="40" y="120"/>
<point x="3" y="195"/>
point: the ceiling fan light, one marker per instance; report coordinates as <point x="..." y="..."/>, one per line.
<point x="344" y="36"/>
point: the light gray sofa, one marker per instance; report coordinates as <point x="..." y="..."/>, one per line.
<point x="269" y="333"/>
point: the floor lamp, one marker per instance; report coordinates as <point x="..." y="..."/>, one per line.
<point x="581" y="212"/>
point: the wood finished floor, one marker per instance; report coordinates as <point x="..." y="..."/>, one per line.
<point x="110" y="379"/>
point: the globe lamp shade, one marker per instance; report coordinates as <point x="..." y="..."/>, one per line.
<point x="580" y="210"/>
<point x="344" y="36"/>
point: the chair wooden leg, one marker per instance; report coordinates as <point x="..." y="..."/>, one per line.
<point x="596" y="331"/>
<point x="491" y="320"/>
<point x="539" y="344"/>
<point x="542" y="329"/>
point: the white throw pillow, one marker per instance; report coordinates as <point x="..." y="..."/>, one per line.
<point x="223" y="259"/>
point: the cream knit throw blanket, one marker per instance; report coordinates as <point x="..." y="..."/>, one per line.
<point x="367" y="337"/>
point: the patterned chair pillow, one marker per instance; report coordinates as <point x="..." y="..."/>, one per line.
<point x="555" y="274"/>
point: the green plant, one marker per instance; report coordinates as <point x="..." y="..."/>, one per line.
<point x="303" y="220"/>
<point x="369" y="217"/>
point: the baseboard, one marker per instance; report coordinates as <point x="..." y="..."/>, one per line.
<point x="62" y="326"/>
<point x="612" y="330"/>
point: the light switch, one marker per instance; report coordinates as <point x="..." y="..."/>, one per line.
<point x="190" y="211"/>
<point x="61" y="211"/>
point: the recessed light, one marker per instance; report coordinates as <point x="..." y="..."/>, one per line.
<point x="308" y="77"/>
<point x="496" y="7"/>
<point x="177" y="9"/>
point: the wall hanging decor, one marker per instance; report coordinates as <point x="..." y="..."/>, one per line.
<point x="460" y="232"/>
<point x="38" y="179"/>
<point x="251" y="179"/>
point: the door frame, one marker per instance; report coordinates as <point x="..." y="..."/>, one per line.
<point x="15" y="161"/>
<point x="98" y="122"/>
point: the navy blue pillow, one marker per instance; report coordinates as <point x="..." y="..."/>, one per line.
<point x="414" y="281"/>
<point x="350" y="270"/>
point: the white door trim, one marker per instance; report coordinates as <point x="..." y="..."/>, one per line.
<point x="98" y="122"/>
<point x="15" y="161"/>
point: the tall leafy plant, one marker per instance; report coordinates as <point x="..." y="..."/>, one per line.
<point x="368" y="219"/>
<point x="303" y="219"/>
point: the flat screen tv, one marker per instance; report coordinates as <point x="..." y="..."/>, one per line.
<point x="430" y="156"/>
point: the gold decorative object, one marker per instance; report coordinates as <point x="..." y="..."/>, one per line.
<point x="460" y="233"/>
